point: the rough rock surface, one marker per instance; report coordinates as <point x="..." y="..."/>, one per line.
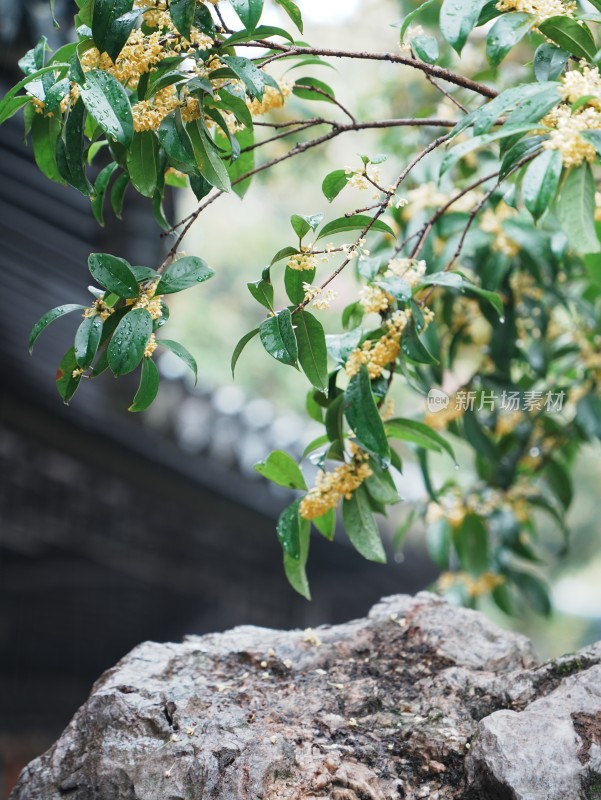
<point x="419" y="700"/>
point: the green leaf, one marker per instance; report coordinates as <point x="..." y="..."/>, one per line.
<point x="282" y="469"/>
<point x="100" y="187"/>
<point x="252" y="77"/>
<point x="457" y="19"/>
<point x="87" y="340"/>
<point x="285" y="252"/>
<point x="66" y="384"/>
<point x="410" y="430"/>
<point x="183" y="274"/>
<point x="302" y="223"/>
<point x="326" y="524"/>
<point x="181" y="352"/>
<point x="570" y="35"/>
<point x="118" y="194"/>
<point x="278" y="338"/>
<point x="426" y="48"/>
<point x="107" y="101"/>
<point x="313" y="89"/>
<point x="576" y="209"/>
<point x="333" y="183"/>
<point x="549" y="62"/>
<point x="70" y="150"/>
<point x="312" y="353"/>
<point x="559" y="481"/>
<point x="113" y="274"/>
<point x="471" y="544"/>
<point x="7" y="104"/>
<point x="293" y="282"/>
<point x="456" y="153"/>
<point x="363" y="416"/>
<point x="126" y="348"/>
<point x="49" y="317"/>
<point x="412" y="15"/>
<point x="44" y="136"/>
<point x="413" y="348"/>
<point x="477" y="438"/>
<point x="143" y="162"/>
<point x="262" y="291"/>
<point x="240" y="347"/>
<point x="176" y="143"/>
<point x="249" y="12"/>
<point x="245" y="162"/>
<point x="13" y="105"/>
<point x="295" y="568"/>
<point x="288" y="530"/>
<point x="361" y="527"/>
<point x="356" y="222"/>
<point x="540" y="182"/>
<point x="182" y="15"/>
<point x="455" y="280"/>
<point x="438" y="541"/>
<point x="380" y="485"/>
<point x="507" y="31"/>
<point x="112" y="22"/>
<point x="534" y="591"/>
<point x="149" y="386"/>
<point x="207" y="160"/>
<point x="293" y="12"/>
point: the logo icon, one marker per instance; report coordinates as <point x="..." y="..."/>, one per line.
<point x="437" y="400"/>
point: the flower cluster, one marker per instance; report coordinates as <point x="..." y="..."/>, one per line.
<point x="373" y="299"/>
<point x="542" y="9"/>
<point x="331" y="487"/>
<point x="378" y="354"/>
<point x="409" y="269"/>
<point x="149" y="301"/>
<point x="303" y="260"/>
<point x="475" y="587"/>
<point x="151" y="346"/>
<point x="567" y="126"/>
<point x="100" y="308"/>
<point x="363" y="179"/>
<point x="491" y="221"/>
<point x="272" y="98"/>
<point x="315" y="296"/>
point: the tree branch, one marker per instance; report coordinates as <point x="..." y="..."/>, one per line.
<point x="394" y="58"/>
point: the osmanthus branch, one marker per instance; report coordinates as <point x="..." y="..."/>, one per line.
<point x="472" y="215"/>
<point x="394" y="58"/>
<point x="337" y="130"/>
<point x="383" y="205"/>
<point x="424" y="231"/>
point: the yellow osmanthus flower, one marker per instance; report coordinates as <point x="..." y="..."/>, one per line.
<point x="585" y="82"/>
<point x="77" y="372"/>
<point x="149" y="301"/>
<point x="140" y="53"/>
<point x="423" y="197"/>
<point x="148" y="114"/>
<point x="409" y="269"/>
<point x="315" y="296"/>
<point x="567" y="126"/>
<point x="377" y="355"/>
<point x="475" y="587"/>
<point x="272" y="98"/>
<point x="507" y="423"/>
<point x="542" y="9"/>
<point x="440" y="420"/>
<point x="151" y="346"/>
<point x="331" y="487"/>
<point x="304" y="260"/>
<point x="373" y="299"/>
<point x="491" y="221"/>
<point x="99" y="308"/>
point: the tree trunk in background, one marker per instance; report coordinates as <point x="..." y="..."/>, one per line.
<point x="420" y="699"/>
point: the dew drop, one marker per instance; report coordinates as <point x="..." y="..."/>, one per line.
<point x="502" y="320"/>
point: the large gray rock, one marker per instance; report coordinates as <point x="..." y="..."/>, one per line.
<point x="421" y="699"/>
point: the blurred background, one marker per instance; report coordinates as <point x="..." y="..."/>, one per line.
<point x="116" y="528"/>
